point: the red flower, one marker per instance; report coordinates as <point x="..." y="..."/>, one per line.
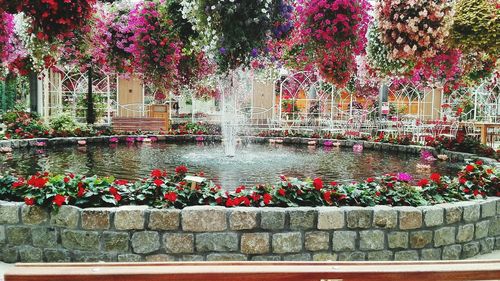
<point x="121" y="182"/>
<point x="489" y="171"/>
<point x="230" y="202"/>
<point x="255" y="196"/>
<point x="369" y="180"/>
<point x="158" y="182"/>
<point x="476" y="192"/>
<point x="333" y="183"/>
<point x="115" y="193"/>
<point x="59" y="200"/>
<point x="29" y="201"/>
<point x="327" y="197"/>
<point x="66" y="180"/>
<point x="181" y="170"/>
<point x="469" y="168"/>
<point x="377" y="193"/>
<point x="156" y="174"/>
<point x="171" y="196"/>
<point x="18" y="183"/>
<point x="37" y="182"/>
<point x="318" y="184"/>
<point x="423" y="182"/>
<point x="436" y="177"/>
<point x="462" y="180"/>
<point x="466" y="190"/>
<point x="479" y="162"/>
<point x="267" y="198"/>
<point x="281" y="192"/>
<point x="240" y="188"/>
<point x="245" y="201"/>
<point x="81" y="191"/>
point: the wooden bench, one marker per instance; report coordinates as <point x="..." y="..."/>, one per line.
<point x="144" y="124"/>
<point x="252" y="271"/>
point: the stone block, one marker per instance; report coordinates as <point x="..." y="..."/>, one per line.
<point x="160" y="258"/>
<point x="10" y="254"/>
<point x="226" y="257"/>
<point x="431" y="254"/>
<point x="452" y="213"/>
<point x="352" y="256"/>
<point x="164" y="219"/>
<point x="2" y="235"/>
<point x="66" y="216"/>
<point x="344" y="241"/>
<point x="408" y="255"/>
<point x="129" y="258"/>
<point x="482" y="229"/>
<point x="243" y="218"/>
<point x="56" y="255"/>
<point x="433" y="215"/>
<point x="30" y="254"/>
<point x="444" y="236"/>
<point x="385" y="217"/>
<point x="9" y="212"/>
<point x="298" y="257"/>
<point x="471" y="211"/>
<point x="145" y="242"/>
<point x="272" y="218"/>
<point x="420" y="239"/>
<point x="80" y="240"/>
<point x="397" y="240"/>
<point x="18" y="235"/>
<point x="288" y="242"/>
<point x="470" y="250"/>
<point x="191" y="258"/>
<point x="255" y="243"/>
<point x="358" y="217"/>
<point x="488" y="208"/>
<point x="380" y="256"/>
<point x="96" y="218"/>
<point x="452" y="252"/>
<point x="302" y="218"/>
<point x="204" y="219"/>
<point x="487" y="245"/>
<point x="44" y="237"/>
<point x="178" y="243"/>
<point x="115" y="241"/>
<point x="317" y="241"/>
<point x="465" y="233"/>
<point x="216" y="242"/>
<point x="81" y="256"/>
<point x="266" y="258"/>
<point x="130" y="217"/>
<point x="330" y="218"/>
<point x="34" y="215"/>
<point x="409" y="218"/>
<point x="494" y="227"/>
<point x="371" y="240"/>
<point x="324" y="257"/>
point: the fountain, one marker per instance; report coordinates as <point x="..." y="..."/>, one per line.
<point x="235" y="94"/>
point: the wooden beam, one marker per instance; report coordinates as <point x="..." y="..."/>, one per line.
<point x="252" y="271"/>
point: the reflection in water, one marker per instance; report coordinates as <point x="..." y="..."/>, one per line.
<point x="253" y="163"/>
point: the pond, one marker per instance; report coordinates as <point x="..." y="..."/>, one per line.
<point x="253" y="163"/>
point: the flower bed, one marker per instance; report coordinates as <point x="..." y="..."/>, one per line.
<point x="164" y="190"/>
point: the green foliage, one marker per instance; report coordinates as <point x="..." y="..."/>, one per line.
<point x="63" y="122"/>
<point x="476" y="25"/>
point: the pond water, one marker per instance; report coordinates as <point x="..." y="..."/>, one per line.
<point x="253" y="163"/>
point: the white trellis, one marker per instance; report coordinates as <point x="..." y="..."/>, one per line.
<point x="64" y="89"/>
<point x="409" y="100"/>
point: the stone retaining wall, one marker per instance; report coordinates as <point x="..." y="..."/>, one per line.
<point x="411" y="149"/>
<point x="138" y="233"/>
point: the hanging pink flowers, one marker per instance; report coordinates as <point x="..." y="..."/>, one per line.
<point x="413" y="28"/>
<point x="6" y="31"/>
<point x="336" y="30"/>
<point x="156" y="49"/>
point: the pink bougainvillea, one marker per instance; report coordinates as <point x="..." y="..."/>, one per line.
<point x="336" y="31"/>
<point x="156" y="49"/>
<point x="6" y="31"/>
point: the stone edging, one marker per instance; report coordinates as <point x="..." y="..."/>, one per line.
<point x="412" y="149"/>
<point x="138" y="233"/>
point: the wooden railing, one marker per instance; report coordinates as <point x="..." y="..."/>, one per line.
<point x="252" y="271"/>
